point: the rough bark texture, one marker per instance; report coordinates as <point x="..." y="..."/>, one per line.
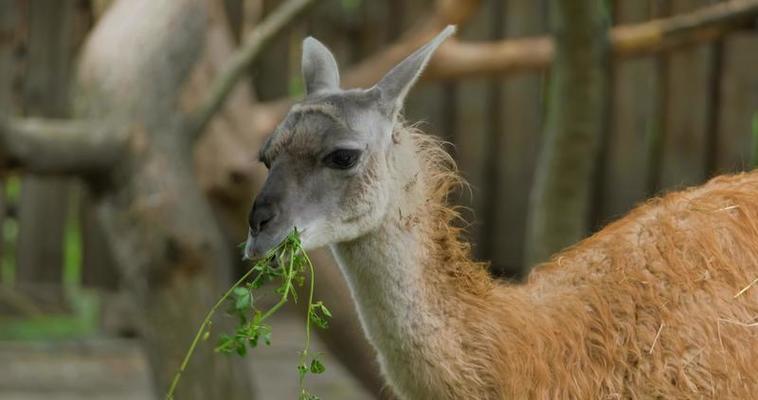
<point x="165" y="239"/>
<point x="558" y="213"/>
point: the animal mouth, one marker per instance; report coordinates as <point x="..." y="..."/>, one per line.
<point x="249" y="252"/>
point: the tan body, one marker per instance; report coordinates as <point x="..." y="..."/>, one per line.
<point x="646" y="308"/>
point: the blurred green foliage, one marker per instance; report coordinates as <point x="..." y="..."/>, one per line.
<point x="84" y="306"/>
<point x="72" y="245"/>
<point x="9" y="232"/>
<point x="82" y="321"/>
<point x="351" y="5"/>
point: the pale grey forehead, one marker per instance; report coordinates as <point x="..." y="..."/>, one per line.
<point x="320" y="120"/>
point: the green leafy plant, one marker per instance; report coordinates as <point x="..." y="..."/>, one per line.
<point x="287" y="265"/>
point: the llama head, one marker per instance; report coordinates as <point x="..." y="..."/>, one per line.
<point x="333" y="161"/>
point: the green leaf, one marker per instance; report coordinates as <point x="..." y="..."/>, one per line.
<point x="302" y="369"/>
<point x="325" y="310"/>
<point x="319" y="314"/>
<point x="241" y="349"/>
<point x="225" y="344"/>
<point x="317" y="367"/>
<point x="305" y="395"/>
<point x="288" y="266"/>
<point x="244" y="301"/>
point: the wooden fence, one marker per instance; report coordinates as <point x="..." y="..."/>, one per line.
<point x="675" y="120"/>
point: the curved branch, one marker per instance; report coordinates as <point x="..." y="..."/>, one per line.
<point x="60" y="147"/>
<point x="455" y="59"/>
<point x="238" y="65"/>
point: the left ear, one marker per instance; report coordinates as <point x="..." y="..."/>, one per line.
<point x="320" y="71"/>
<point x="395" y="85"/>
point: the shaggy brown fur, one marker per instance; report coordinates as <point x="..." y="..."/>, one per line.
<point x="657" y="305"/>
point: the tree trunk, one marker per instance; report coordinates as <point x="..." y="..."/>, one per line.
<point x="165" y="239"/>
<point x="560" y="197"/>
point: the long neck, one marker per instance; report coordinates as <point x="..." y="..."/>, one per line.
<point x="414" y="288"/>
<point x="385" y="271"/>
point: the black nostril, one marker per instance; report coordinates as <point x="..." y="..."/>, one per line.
<point x="260" y="215"/>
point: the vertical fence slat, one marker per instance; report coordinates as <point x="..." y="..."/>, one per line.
<point x="271" y="74"/>
<point x="7" y="28"/>
<point x="521" y="112"/>
<point x="43" y="204"/>
<point x="471" y="129"/>
<point x="98" y="266"/>
<point x="688" y="110"/>
<point x="632" y="118"/>
<point x="739" y="102"/>
<point x="8" y="22"/>
<point x="425" y="102"/>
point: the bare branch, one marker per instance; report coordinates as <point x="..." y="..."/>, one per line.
<point x="446" y="12"/>
<point x="237" y="66"/>
<point x="60" y="147"/>
<point x="456" y="59"/>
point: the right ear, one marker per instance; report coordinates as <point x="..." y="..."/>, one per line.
<point x="320" y="70"/>
<point x="395" y="85"/>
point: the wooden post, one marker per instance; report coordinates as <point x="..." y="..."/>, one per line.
<point x="44" y="201"/>
<point x="98" y="265"/>
<point x="688" y="110"/>
<point x="8" y="18"/>
<point x="631" y="126"/>
<point x="471" y="130"/>
<point x="739" y="105"/>
<point x="522" y="115"/>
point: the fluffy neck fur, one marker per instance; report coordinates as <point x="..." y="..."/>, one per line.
<point x="412" y="278"/>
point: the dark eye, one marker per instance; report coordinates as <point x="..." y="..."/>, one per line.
<point x="342" y="158"/>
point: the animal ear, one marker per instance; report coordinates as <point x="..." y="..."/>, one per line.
<point x="396" y="84"/>
<point x="320" y="70"/>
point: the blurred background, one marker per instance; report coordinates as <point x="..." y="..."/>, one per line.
<point x="129" y="134"/>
